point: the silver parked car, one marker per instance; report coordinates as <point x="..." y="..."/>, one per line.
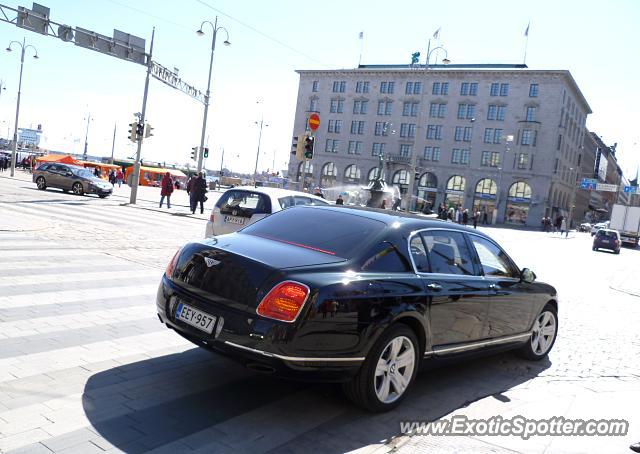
<point x="70" y="178"/>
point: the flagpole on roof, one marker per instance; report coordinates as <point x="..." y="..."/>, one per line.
<point x="361" y="37"/>
<point x="526" y="43"/>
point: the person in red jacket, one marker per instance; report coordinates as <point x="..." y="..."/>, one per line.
<point x="166" y="189"/>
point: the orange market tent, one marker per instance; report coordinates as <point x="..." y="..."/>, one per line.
<point x="65" y="159"/>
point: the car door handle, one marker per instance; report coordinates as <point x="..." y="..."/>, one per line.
<point x="493" y="287"/>
<point x="435" y="287"/>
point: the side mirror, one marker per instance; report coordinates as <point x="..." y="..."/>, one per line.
<point x="527" y="275"/>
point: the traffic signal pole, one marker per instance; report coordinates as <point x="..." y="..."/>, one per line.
<point x="135" y="180"/>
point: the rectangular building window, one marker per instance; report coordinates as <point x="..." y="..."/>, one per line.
<point x="440" y="88"/>
<point x="533" y="91"/>
<point x="488" y="135"/>
<point x="360" y="107"/>
<point x="495" y="159"/>
<point x="362" y="87"/>
<point x="466" y="111"/>
<point x="339" y="86"/>
<point x="357" y="127"/>
<point x="336" y="106"/>
<point x="495" y="89"/>
<point x="313" y="105"/>
<point x="502" y="111"/>
<point x="335" y="126"/>
<point x="408" y="130"/>
<point x="492" y="112"/>
<point x="432" y="153"/>
<point x="497" y="136"/>
<point x="405" y="150"/>
<point x="378" y="149"/>
<point x="434" y="132"/>
<point x="460" y="156"/>
<point x="485" y="159"/>
<point x="523" y="160"/>
<point x="410" y="109"/>
<point x="473" y="89"/>
<point x="467" y="133"/>
<point x="531" y="113"/>
<point x="527" y="137"/>
<point x="314" y="86"/>
<point x="355" y="147"/>
<point x="332" y="146"/>
<point x="387" y="87"/>
<point x="413" y="88"/>
<point x="437" y="110"/>
<point x="385" y="107"/>
<point x="459" y="132"/>
<point x="381" y="128"/>
<point x="463" y="134"/>
<point x="504" y="89"/>
<point x="464" y="89"/>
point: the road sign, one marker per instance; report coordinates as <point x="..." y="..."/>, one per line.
<point x="631" y="189"/>
<point x="589" y="180"/>
<point x="314" y="121"/>
<point x="587" y="185"/>
<point x="606" y="187"/>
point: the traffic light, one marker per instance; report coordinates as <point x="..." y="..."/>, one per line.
<point x="206" y="152"/>
<point x="309" y="143"/>
<point x="140" y="130"/>
<point x="194" y="153"/>
<point x="300" y="147"/>
<point x="148" y="131"/>
<point x="132" y="132"/>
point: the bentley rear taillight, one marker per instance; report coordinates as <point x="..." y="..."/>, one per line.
<point x="172" y="264"/>
<point x="284" y="301"/>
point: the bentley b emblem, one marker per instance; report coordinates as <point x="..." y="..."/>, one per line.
<point x="211" y="262"/>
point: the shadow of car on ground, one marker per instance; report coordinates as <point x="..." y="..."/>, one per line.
<point x="222" y="406"/>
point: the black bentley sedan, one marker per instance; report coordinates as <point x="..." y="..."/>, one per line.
<point x="356" y="296"/>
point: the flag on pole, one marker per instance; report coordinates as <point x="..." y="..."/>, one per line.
<point x="437" y="33"/>
<point x="526" y="32"/>
<point x="361" y="35"/>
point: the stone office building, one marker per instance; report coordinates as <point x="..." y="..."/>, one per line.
<point x="500" y="139"/>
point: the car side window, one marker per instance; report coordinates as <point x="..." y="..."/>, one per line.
<point x="419" y="254"/>
<point x="448" y="252"/>
<point x="385" y="258"/>
<point x="494" y="261"/>
<point x="286" y="202"/>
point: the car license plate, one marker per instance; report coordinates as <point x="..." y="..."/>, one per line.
<point x="605" y="241"/>
<point x="234" y="220"/>
<point x="195" y="318"/>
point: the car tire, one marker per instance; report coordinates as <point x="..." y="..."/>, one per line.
<point x="594" y="248"/>
<point x="371" y="387"/>
<point x="539" y="346"/>
<point x="617" y="252"/>
<point x="41" y="183"/>
<point x="77" y="188"/>
<point x="102" y="196"/>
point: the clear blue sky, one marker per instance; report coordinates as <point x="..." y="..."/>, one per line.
<point x="596" y="41"/>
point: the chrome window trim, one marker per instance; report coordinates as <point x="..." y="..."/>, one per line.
<point x="293" y="358"/>
<point x="457" y="276"/>
<point x="475" y="345"/>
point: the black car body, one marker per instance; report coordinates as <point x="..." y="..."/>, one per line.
<point x="365" y="275"/>
<point x="607" y="239"/>
<point x="70" y="178"/>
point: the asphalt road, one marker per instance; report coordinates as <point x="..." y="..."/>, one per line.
<point x="86" y="367"/>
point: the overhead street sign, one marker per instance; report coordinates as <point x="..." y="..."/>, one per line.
<point x="631" y="189"/>
<point x="314" y="121"/>
<point x="171" y="79"/>
<point x="588" y="185"/>
<point x="606" y="187"/>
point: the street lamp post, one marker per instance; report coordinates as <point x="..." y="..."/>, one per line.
<point x="23" y="48"/>
<point x="200" y="32"/>
<point x="414" y="154"/>
<point x="255" y="171"/>
<point x="508" y="140"/>
<point x="86" y="136"/>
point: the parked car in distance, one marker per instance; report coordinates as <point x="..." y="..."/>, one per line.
<point x="584" y="227"/>
<point x="598" y="226"/>
<point x="67" y="177"/>
<point x="607" y="239"/>
<point x="356" y="296"/>
<point x="244" y="205"/>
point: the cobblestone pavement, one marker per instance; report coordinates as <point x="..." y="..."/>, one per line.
<point x="85" y="366"/>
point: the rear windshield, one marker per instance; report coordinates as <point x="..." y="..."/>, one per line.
<point x="335" y="233"/>
<point x="607" y="233"/>
<point x="293" y="200"/>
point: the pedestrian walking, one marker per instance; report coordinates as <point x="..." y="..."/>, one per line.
<point x="563" y="227"/>
<point x="557" y="225"/>
<point x="465" y="217"/>
<point x="485" y="216"/>
<point x="2" y="159"/>
<point x="119" y="177"/>
<point x="476" y="215"/>
<point x="396" y="204"/>
<point x="96" y="172"/>
<point x="339" y="200"/>
<point x="384" y="204"/>
<point x="112" y="177"/>
<point x="166" y="189"/>
<point x="197" y="193"/>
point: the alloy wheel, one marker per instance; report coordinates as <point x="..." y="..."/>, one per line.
<point x="41" y="183"/>
<point x="77" y="189"/>
<point x="544" y="332"/>
<point x="394" y="369"/>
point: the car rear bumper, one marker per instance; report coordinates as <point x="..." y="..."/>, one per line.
<point x="208" y="231"/>
<point x="237" y="341"/>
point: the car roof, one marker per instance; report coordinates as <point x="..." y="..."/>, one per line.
<point x="275" y="192"/>
<point x="407" y="220"/>
<point x="608" y="230"/>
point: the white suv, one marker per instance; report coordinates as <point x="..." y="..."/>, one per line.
<point x="241" y="206"/>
